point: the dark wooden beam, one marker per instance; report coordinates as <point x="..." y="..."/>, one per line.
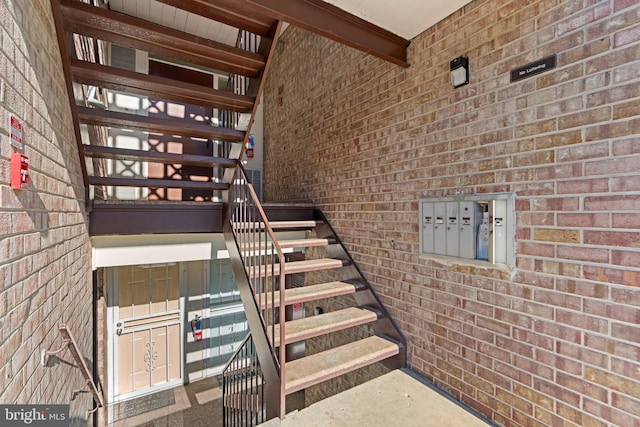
<point x="236" y="13"/>
<point x="114" y="153"/>
<point x="159" y="87"/>
<point x="336" y="24"/>
<point x="64" y="55"/>
<point x="157" y="217"/>
<point x="113" y="119"/>
<point x="136" y="33"/>
<point x="161" y="217"/>
<point x="156" y="183"/>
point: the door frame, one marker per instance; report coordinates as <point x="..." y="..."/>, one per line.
<point x="112" y="350"/>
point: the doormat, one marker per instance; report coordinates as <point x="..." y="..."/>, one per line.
<point x="140" y="405"/>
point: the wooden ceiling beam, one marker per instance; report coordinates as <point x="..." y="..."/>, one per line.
<point x="114" y="119"/>
<point x="136" y="33"/>
<point x="336" y="24"/>
<point x="236" y="13"/>
<point x="159" y="87"/>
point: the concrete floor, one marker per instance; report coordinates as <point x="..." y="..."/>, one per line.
<point x="196" y="404"/>
<point x="394" y="399"/>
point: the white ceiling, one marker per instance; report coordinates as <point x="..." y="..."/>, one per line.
<point x="406" y="18"/>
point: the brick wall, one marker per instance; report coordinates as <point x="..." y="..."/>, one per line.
<point x="45" y="258"/>
<point x="557" y="340"/>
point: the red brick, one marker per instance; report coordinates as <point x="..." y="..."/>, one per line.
<point x="611" y="238"/>
<point x="583" y="186"/>
<point x="582" y="354"/>
<point x="625" y="258"/>
<point x="583" y="152"/>
<point x="588" y="289"/>
<point x="556" y="204"/>
<point x="626" y="220"/>
<point x="610" y="346"/>
<point x="583" y="220"/>
<point x="583" y="254"/>
<point x="559" y="393"/>
<point x="610" y="131"/>
<point x="612" y="275"/>
<point x="626" y="332"/>
<point x="605" y="412"/>
<point x="625" y="368"/>
<point x="557" y="330"/>
<point x="626" y="146"/>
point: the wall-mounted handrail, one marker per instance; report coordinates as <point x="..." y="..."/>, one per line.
<point x="70" y="343"/>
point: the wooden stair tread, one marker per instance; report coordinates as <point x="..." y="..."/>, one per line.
<point x="277" y="225"/>
<point x="319" y="367"/>
<point x="314" y="293"/>
<point x="161" y="87"/>
<point x="313" y="326"/>
<point x="296" y="267"/>
<point x="116" y="153"/>
<point x="293" y="224"/>
<point x="289" y="244"/>
<point x="157" y="183"/>
<point x="119" y="120"/>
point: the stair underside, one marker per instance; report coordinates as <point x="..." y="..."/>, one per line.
<point x="313" y="326"/>
<point x="319" y="367"/>
<point x="296" y="267"/>
<point x="313" y="293"/>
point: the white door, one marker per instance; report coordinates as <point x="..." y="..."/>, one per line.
<point x="147" y="342"/>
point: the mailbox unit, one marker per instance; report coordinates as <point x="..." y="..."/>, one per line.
<point x="477" y="227"/>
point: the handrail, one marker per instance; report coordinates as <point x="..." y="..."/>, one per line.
<point x="70" y="343"/>
<point x="263" y="265"/>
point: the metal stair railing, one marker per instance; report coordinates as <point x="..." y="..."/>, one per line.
<point x="258" y="265"/>
<point x="242" y="388"/>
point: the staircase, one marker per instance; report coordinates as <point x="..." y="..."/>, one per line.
<point x="194" y="156"/>
<point x="262" y="373"/>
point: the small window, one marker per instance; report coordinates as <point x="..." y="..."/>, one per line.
<point x="476" y="227"/>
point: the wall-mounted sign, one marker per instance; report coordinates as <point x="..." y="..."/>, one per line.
<point x="15" y="131"/>
<point x="19" y="171"/>
<point x="533" y="68"/>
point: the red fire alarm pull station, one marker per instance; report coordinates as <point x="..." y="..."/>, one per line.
<point x="19" y="171"/>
